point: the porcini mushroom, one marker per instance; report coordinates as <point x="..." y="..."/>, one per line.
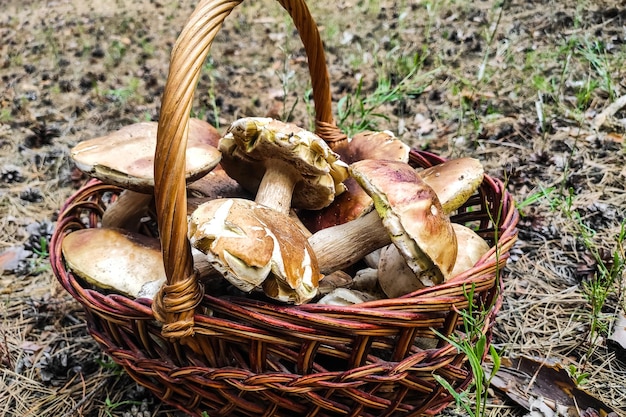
<point x="126" y="158"/>
<point x="254" y="246"/>
<point x="471" y="248"/>
<point x="346" y="297"/>
<point x="217" y="184"/>
<point x="120" y="260"/>
<point x="407" y="213"/>
<point x="285" y="165"/>
<point x="411" y="211"/>
<point x="397" y="279"/>
<point x="394" y="275"/>
<point x="454" y="181"/>
<point x="128" y="263"/>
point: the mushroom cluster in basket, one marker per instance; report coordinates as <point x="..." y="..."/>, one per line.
<point x="275" y="212"/>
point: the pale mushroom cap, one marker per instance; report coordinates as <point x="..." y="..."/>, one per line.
<point x="397" y="279"/>
<point x="346" y="297"/>
<point x="454" y="181"/>
<point x="125" y="262"/>
<point x="253" y="140"/>
<point x="411" y="212"/>
<point x="355" y="202"/>
<point x="366" y="279"/>
<point x="471" y="248"/>
<point x="126" y="157"/>
<point x="249" y="244"/>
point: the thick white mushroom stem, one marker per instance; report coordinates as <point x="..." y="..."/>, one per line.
<point x="344" y="245"/>
<point x="127" y="210"/>
<point x="277" y="185"/>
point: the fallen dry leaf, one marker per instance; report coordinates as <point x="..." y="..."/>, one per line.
<point x="10" y="258"/>
<point x="545" y="389"/>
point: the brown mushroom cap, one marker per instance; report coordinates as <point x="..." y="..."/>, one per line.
<point x="373" y="145"/>
<point x="217" y="184"/>
<point x="411" y="211"/>
<point x="251" y="244"/>
<point x="454" y="181"/>
<point x="284" y="164"/>
<point x="125" y="262"/>
<point x="126" y="157"/>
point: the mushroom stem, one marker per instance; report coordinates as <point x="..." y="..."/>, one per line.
<point x="127" y="211"/>
<point x="344" y="245"/>
<point x="276" y="188"/>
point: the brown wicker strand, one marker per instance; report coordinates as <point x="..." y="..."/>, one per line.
<point x="173" y="306"/>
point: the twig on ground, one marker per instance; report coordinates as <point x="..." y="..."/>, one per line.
<point x="85" y="398"/>
<point x="609" y="111"/>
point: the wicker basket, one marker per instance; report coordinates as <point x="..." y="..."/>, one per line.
<point x="244" y="357"/>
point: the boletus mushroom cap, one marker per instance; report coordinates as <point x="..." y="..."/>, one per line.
<point x="126" y="157"/>
<point x="471" y="248"/>
<point x="454" y="181"/>
<point x="394" y="275"/>
<point x="397" y="279"/>
<point x="412" y="213"/>
<point x="285" y="165"/>
<point x="117" y="260"/>
<point x="254" y="246"/>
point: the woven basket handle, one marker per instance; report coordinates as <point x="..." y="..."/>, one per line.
<point x="176" y="303"/>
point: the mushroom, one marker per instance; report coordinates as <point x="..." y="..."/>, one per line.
<point x="128" y="263"/>
<point x="373" y="145"/>
<point x="254" y="246"/>
<point x="366" y="279"/>
<point x="354" y="201"/>
<point x="412" y="213"/>
<point x="125" y="158"/>
<point x="454" y="181"/>
<point x="394" y="275"/>
<point x="408" y="213"/>
<point x="216" y="184"/>
<point x="119" y="260"/>
<point x="346" y="297"/>
<point x="471" y="248"/>
<point x="397" y="279"/>
<point x="338" y="279"/>
<point x="284" y="164"/>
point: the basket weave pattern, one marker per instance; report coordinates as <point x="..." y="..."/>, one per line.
<point x="235" y="356"/>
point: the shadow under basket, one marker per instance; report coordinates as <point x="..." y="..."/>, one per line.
<point x="240" y="356"/>
<point x="253" y="358"/>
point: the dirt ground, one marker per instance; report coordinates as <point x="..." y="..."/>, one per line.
<point x="524" y="86"/>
